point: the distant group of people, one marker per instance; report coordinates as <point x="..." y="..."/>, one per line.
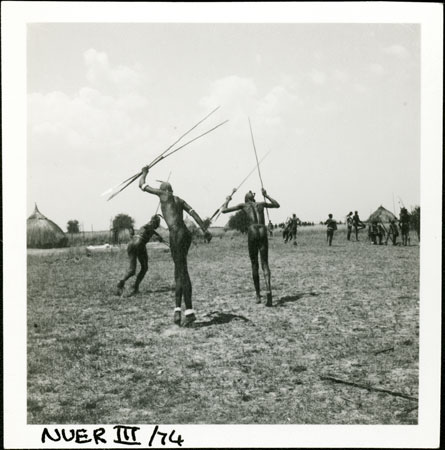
<point x="290" y="229"/>
<point x="353" y="223"/>
<point x="377" y="231"/>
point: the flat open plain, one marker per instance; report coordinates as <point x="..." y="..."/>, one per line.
<point x="347" y="312"/>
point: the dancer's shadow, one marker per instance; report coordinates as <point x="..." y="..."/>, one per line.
<point x="218" y="318"/>
<point x="293" y="298"/>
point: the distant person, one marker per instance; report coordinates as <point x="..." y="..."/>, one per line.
<point x="256" y="238"/>
<point x="381" y="232"/>
<point x="286" y="230"/>
<point x="393" y="232"/>
<point x="331" y="227"/>
<point x="270" y="228"/>
<point x="137" y="251"/>
<point x="349" y="224"/>
<point x="293" y="227"/>
<point x="357" y="224"/>
<point x="373" y="232"/>
<point x="173" y="209"/>
<point x="404" y="225"/>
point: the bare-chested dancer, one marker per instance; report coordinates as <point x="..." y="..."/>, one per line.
<point x="137" y="251"/>
<point x="256" y="238"/>
<point x="173" y="208"/>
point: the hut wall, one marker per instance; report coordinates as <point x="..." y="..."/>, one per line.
<point x="42" y="233"/>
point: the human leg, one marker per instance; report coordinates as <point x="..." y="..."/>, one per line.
<point x="330" y="236"/>
<point x="183" y="286"/>
<point x="143" y="260"/>
<point x="264" y="255"/>
<point x="253" y="254"/>
<point x="132" y="257"/>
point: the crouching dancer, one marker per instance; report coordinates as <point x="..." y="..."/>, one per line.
<point x="137" y="251"/>
<point x="256" y="238"/>
<point x="173" y="208"/>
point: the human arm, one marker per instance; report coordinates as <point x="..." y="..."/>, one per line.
<point x="144" y="186"/>
<point x="225" y="208"/>
<point x="198" y="220"/>
<point x="273" y="203"/>
<point x="161" y="239"/>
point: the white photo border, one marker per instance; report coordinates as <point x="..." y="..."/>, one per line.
<point x="16" y="16"/>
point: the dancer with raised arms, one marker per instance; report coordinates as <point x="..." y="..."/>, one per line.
<point x="256" y="237"/>
<point x="173" y="208"/>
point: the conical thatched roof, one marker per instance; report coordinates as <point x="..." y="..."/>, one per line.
<point x="43" y="233"/>
<point x="381" y="214"/>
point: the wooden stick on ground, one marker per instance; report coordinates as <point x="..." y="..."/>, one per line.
<point x="368" y="387"/>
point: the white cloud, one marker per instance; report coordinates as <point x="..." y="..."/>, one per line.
<point x="358" y="87"/>
<point x="237" y="94"/>
<point x="328" y="107"/>
<point x="340" y="75"/>
<point x="240" y="99"/>
<point x="397" y="50"/>
<point x="376" y="69"/>
<point x="101" y="119"/>
<point x="101" y="73"/>
<point x="276" y="103"/>
<point x="317" y="76"/>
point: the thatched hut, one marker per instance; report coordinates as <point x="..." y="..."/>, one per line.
<point x="381" y="214"/>
<point x="44" y="233"/>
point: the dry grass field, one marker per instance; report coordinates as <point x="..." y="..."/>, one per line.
<point x="342" y="314"/>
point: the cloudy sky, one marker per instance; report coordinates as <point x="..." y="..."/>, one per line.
<point x="337" y="105"/>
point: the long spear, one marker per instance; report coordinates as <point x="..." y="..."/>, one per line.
<point x="163" y="156"/>
<point x="171" y="146"/>
<point x="258" y="166"/>
<point x="187" y="132"/>
<point x="218" y="211"/>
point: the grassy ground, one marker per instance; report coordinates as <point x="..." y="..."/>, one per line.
<point x="349" y="311"/>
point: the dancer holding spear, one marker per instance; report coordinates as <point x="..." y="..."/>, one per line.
<point x="173" y="208"/>
<point x="257" y="238"/>
<point x="217" y="213"/>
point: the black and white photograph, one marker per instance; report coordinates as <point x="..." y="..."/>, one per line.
<point x="222" y="224"/>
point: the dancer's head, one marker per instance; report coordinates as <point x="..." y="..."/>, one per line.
<point x="249" y="197"/>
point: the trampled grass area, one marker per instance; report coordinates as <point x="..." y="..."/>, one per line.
<point x="349" y="312"/>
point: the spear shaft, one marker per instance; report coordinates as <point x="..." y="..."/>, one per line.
<point x="187" y="132"/>
<point x="163" y="156"/>
<point x="258" y="166"/>
<point x="218" y="211"/>
<point x="165" y="151"/>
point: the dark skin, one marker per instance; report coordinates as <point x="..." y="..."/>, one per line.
<point x="173" y="209"/>
<point x="357" y="224"/>
<point x="137" y="252"/>
<point x="256" y="238"/>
